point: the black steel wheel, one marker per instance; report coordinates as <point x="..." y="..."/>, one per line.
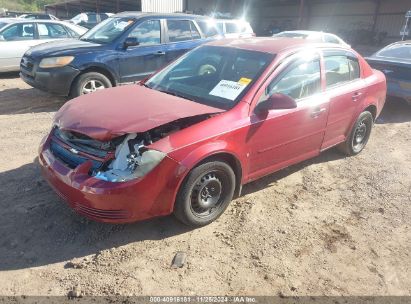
<point x="359" y="136"/>
<point x="205" y="193"/>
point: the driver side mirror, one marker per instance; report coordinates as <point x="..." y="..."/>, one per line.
<point x="130" y="41"/>
<point x="275" y="102"/>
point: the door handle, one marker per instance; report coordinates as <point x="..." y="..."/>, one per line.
<point x="356" y="96"/>
<point x="318" y="112"/>
<point x="160" y="53"/>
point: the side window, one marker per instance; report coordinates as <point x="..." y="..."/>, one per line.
<point x="208" y="28"/>
<point x="220" y="26"/>
<point x="51" y="31"/>
<point x="148" y="32"/>
<point x="43" y="31"/>
<point x="231" y="28"/>
<point x="179" y="30"/>
<point x="194" y="31"/>
<point x="331" y="39"/>
<point x="354" y="68"/>
<point x="337" y="70"/>
<point x="72" y="33"/>
<point x="18" y="32"/>
<point x="103" y="17"/>
<point x="92" y="18"/>
<point x="300" y="80"/>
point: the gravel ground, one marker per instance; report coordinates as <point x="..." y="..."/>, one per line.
<point x="329" y="226"/>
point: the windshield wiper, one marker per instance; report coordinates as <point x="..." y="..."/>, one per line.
<point x="176" y="94"/>
<point x="91" y="40"/>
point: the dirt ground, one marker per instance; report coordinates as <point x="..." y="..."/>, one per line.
<point x="329" y="226"/>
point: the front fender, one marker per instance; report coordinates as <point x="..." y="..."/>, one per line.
<point x="112" y="68"/>
<point x="201" y="153"/>
<point x="207" y="150"/>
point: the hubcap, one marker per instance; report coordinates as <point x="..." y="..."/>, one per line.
<point x="206" y="194"/>
<point x="92" y="86"/>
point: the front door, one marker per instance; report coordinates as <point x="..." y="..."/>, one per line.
<point x="15" y="40"/>
<point x="140" y="61"/>
<point x="284" y="137"/>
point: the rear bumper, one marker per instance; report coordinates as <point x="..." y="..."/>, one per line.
<point x="147" y="197"/>
<point x="57" y="81"/>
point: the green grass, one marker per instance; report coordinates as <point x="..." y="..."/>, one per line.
<point x="26" y="5"/>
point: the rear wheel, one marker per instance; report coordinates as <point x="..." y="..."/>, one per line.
<point x="88" y="83"/>
<point x="205" y="194"/>
<point x="359" y="136"/>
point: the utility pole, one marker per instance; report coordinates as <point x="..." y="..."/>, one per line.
<point x="405" y="31"/>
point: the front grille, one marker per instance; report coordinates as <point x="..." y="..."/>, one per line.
<point x="100" y="213"/>
<point x="70" y="158"/>
<point x="26" y="64"/>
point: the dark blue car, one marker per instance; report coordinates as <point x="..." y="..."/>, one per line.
<point x="125" y="48"/>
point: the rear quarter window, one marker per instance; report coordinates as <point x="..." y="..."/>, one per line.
<point x="400" y="51"/>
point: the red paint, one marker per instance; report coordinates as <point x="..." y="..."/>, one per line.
<point x="127" y="109"/>
<point x="260" y="143"/>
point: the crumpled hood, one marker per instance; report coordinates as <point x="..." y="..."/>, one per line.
<point x="106" y="114"/>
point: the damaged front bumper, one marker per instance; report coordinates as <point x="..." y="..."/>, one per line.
<point x="150" y="196"/>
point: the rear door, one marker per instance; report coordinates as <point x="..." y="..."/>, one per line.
<point x="285" y="137"/>
<point x="15" y="40"/>
<point x="346" y="89"/>
<point x="182" y="36"/>
<point x="140" y="61"/>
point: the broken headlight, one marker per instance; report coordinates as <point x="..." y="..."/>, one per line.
<point x="136" y="165"/>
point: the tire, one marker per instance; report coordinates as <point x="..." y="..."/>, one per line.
<point x="359" y="136"/>
<point x="205" y="194"/>
<point x="85" y="81"/>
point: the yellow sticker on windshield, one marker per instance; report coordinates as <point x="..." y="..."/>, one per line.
<point x="244" y="81"/>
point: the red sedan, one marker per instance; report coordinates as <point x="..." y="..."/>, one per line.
<point x="227" y="113"/>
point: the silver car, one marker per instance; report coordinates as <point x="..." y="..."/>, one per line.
<point x="313" y="36"/>
<point x="18" y="35"/>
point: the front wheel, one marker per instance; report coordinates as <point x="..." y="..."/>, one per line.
<point x="359" y="136"/>
<point x="88" y="83"/>
<point x="205" y="194"/>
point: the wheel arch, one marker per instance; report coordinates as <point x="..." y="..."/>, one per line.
<point x="204" y="154"/>
<point x="372" y="108"/>
<point x="98" y="69"/>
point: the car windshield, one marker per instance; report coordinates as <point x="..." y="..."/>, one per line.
<point x="108" y="30"/>
<point x="78" y="18"/>
<point x="214" y="76"/>
<point x="399" y="51"/>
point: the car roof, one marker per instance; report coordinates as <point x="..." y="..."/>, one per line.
<point x="160" y="15"/>
<point x="272" y="45"/>
<point x="22" y="20"/>
<point x="230" y="20"/>
<point x="36" y="14"/>
<point x="304" y="32"/>
<point x="402" y="42"/>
